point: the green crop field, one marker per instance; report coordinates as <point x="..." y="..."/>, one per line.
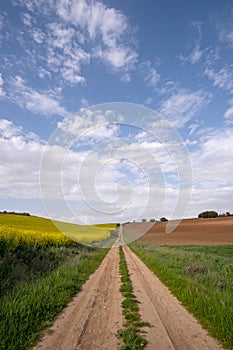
<point x="40" y="270"/>
<point x="201" y="278"/>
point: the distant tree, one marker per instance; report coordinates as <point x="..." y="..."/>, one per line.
<point x="152" y="220"/>
<point x="143" y="220"/>
<point x="228" y="213"/>
<point x="163" y="219"/>
<point x="208" y="214"/>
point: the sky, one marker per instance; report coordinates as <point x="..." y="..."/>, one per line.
<point x="116" y="110"/>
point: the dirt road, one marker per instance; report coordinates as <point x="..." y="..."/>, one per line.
<point x="93" y="317"/>
<point x="91" y="320"/>
<point x="172" y="326"/>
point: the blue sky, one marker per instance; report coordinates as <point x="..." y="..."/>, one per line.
<point x="60" y="56"/>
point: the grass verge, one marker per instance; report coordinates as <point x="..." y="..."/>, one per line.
<point x="131" y="335"/>
<point x="201" y="278"/>
<point x="28" y="309"/>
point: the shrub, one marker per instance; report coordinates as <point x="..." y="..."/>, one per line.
<point x="208" y="214"/>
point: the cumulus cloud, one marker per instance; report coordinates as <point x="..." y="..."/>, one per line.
<point x="129" y="161"/>
<point x="212" y="168"/>
<point x="20" y="159"/>
<point x="44" y="103"/>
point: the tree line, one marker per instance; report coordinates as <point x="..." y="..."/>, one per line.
<point x="14" y="213"/>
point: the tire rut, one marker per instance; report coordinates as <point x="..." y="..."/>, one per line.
<point x="173" y="327"/>
<point x="92" y="318"/>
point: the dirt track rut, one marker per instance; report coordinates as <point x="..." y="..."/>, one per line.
<point x="91" y="320"/>
<point x="173" y="327"/>
<point x="93" y="317"/>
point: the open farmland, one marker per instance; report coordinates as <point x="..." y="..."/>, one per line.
<point x="189" y="232"/>
<point x="135" y="312"/>
<point x="44" y="232"/>
<point x="40" y="270"/>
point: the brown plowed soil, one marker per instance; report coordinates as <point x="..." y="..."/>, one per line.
<point x="93" y="317"/>
<point x="172" y="326"/>
<point x="190" y="231"/>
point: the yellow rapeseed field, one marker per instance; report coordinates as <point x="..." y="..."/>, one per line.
<point x="17" y="229"/>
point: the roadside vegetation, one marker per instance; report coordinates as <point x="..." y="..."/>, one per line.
<point x="201" y="278"/>
<point x="40" y="271"/>
<point x="131" y="335"/>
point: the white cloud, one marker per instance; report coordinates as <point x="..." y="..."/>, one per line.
<point x="150" y="74"/>
<point x="223" y="78"/>
<point x="2" y="91"/>
<point x="65" y="54"/>
<point x="211" y="164"/>
<point x="107" y="26"/>
<point x="1" y="26"/>
<point x="20" y="159"/>
<point x="196" y="53"/>
<point x="183" y="105"/>
<point x="117" y="57"/>
<point x="8" y="129"/>
<point x="35" y="6"/>
<point x="227" y="36"/>
<point x="38" y="35"/>
<point x="84" y="31"/>
<point x="43" y="103"/>
<point x="84" y="102"/>
<point x="27" y="19"/>
<point x="229" y="113"/>
<point x="149" y="100"/>
<point x="212" y="169"/>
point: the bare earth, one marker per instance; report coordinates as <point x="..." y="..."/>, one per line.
<point x="93" y="317"/>
<point x="190" y="231"/>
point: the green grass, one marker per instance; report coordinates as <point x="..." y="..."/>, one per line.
<point x="201" y="278"/>
<point x="40" y="270"/>
<point x="31" y="307"/>
<point x="131" y="335"/>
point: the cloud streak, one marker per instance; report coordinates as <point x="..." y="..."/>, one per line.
<point x="183" y="105"/>
<point x="44" y="103"/>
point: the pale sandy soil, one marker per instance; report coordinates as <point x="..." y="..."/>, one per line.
<point x="172" y="326"/>
<point x="93" y="317"/>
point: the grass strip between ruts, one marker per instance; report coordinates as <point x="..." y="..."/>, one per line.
<point x="131" y="335"/>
